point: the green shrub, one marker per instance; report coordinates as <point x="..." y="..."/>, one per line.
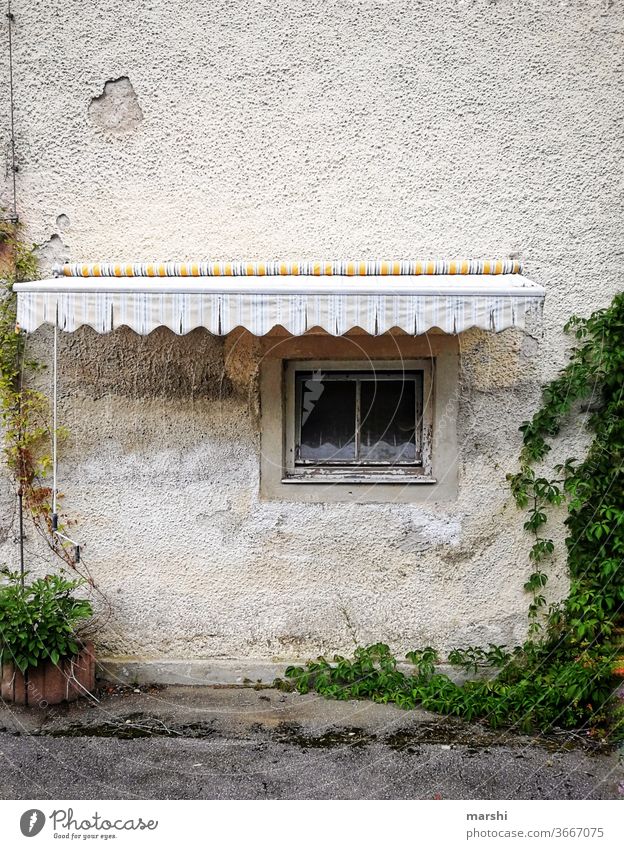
<point x="40" y="620"/>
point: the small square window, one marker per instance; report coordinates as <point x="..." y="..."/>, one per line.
<point x="356" y="424"/>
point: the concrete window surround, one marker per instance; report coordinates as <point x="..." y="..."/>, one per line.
<point x="436" y="351"/>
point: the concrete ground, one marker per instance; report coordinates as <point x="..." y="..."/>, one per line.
<point x="211" y="743"/>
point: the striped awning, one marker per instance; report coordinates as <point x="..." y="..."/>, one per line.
<point x="413" y="295"/>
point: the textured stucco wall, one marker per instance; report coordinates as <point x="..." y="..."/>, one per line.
<point x="304" y="129"/>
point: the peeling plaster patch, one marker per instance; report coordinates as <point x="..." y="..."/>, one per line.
<point x="52" y="251"/>
<point x="489" y="360"/>
<point x="413" y="543"/>
<point x="117" y="109"/>
<point x="446" y="531"/>
<point x="62" y="221"/>
<point x="426" y="533"/>
<point x="529" y="348"/>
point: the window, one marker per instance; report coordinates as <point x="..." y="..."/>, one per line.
<point x="367" y="421"/>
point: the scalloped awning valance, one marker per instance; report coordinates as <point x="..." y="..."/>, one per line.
<point x="413" y="295"/>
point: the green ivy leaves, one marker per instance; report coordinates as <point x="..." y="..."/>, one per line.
<point x="525" y="695"/>
<point x="563" y="674"/>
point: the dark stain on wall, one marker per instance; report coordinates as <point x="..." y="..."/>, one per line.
<point x="160" y="365"/>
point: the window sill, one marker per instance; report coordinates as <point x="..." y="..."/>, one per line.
<point x="325" y="476"/>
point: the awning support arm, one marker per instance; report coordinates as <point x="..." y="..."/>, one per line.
<point x="54" y="423"/>
<point x="55" y="529"/>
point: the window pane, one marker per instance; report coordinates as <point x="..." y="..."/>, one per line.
<point x="327" y="410"/>
<point x="388" y="416"/>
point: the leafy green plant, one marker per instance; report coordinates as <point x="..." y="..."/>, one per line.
<point x="424" y="660"/>
<point x="474" y="657"/>
<point x="40" y="620"/>
<point x="527" y="694"/>
<point x="24" y="411"/>
<point x="17" y="259"/>
<point x="563" y="674"/>
<point x="27" y="436"/>
<point x="592" y="488"/>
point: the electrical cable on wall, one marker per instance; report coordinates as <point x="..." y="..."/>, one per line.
<point x="10" y="17"/>
<point x="12" y="218"/>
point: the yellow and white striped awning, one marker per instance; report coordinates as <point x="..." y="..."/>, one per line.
<point x="377" y="295"/>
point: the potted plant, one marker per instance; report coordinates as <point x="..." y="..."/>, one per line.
<point x="43" y="658"/>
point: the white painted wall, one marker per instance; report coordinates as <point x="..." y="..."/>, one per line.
<point x="307" y="129"/>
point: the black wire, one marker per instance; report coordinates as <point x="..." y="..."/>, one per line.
<point x="10" y="18"/>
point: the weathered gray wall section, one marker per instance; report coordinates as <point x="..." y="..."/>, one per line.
<point x="305" y="129"/>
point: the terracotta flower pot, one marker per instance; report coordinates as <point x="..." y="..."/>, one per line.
<point x="48" y="684"/>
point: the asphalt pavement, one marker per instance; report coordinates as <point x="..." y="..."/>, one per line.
<point x="241" y="743"/>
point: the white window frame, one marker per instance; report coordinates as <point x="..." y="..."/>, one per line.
<point x="294" y="472"/>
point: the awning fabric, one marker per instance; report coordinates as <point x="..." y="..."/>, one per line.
<point x="413" y="295"/>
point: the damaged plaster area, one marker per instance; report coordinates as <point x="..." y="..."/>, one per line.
<point x="117" y="109"/>
<point x="53" y="251"/>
